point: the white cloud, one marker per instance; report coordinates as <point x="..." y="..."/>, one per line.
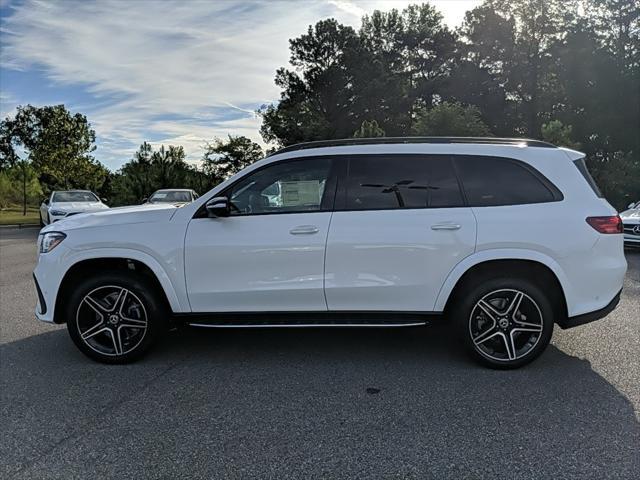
<point x="200" y="63"/>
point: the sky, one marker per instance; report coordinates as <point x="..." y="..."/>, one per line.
<point x="163" y="71"/>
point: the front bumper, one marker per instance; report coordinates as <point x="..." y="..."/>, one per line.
<point x="589" y="317"/>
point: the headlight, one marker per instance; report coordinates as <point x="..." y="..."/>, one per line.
<point x="51" y="240"/>
<point x="58" y="213"/>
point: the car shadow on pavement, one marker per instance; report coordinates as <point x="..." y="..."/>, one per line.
<point x="309" y="403"/>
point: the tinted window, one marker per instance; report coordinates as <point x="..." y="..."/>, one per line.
<point x="296" y="186"/>
<point x="582" y="167"/>
<point x="492" y="181"/>
<point x="408" y="181"/>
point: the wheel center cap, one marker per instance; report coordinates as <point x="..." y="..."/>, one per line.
<point x="114" y="319"/>
<point x="503" y="322"/>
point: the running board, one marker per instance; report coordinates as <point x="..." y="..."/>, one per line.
<point x="307" y="319"/>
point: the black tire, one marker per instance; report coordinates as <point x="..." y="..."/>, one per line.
<point x="91" y="309"/>
<point x="485" y="329"/>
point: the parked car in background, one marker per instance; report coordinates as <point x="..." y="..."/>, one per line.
<point x="631" y="223"/>
<point x="501" y="238"/>
<point x="175" y="196"/>
<point x="63" y="204"/>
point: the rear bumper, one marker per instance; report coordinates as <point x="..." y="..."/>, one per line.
<point x="577" y="320"/>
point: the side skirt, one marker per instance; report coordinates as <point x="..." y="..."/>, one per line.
<point x="307" y="319"/>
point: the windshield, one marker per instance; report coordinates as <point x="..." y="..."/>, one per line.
<point x="74" y="197"/>
<point x="170" y="197"/>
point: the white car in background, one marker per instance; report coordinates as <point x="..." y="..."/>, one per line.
<point x="631" y="224"/>
<point x="63" y="204"/>
<point x="174" y="196"/>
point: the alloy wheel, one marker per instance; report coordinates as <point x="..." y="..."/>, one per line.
<point x="505" y="325"/>
<point x="111" y="320"/>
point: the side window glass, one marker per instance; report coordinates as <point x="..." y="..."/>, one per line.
<point x="407" y="181"/>
<point x="286" y="187"/>
<point x="492" y="181"/>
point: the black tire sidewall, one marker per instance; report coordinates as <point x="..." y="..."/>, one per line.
<point x="156" y="313"/>
<point x="470" y="296"/>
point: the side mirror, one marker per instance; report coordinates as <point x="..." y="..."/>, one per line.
<point x="145" y="199"/>
<point x="631" y="205"/>
<point x="46" y="201"/>
<point x="218" y="207"/>
<point x="104" y="200"/>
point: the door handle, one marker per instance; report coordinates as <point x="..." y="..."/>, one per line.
<point x="304" y="230"/>
<point x="445" y="226"/>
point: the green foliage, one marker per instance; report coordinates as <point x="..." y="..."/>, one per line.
<point x="150" y="170"/>
<point x="57" y="143"/>
<point x="559" y="134"/>
<point x="223" y="159"/>
<point x="567" y="71"/>
<point x="18" y="182"/>
<point x="450" y="119"/>
<point x="369" y="129"/>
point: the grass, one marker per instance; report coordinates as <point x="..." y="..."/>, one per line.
<point x="13" y="216"/>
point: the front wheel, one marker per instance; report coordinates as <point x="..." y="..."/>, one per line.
<point x="504" y="323"/>
<point x="115" y="317"/>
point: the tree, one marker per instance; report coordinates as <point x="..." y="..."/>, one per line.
<point x="56" y="143"/>
<point x="150" y="170"/>
<point x="450" y="119"/>
<point x="559" y="134"/>
<point x="514" y="40"/>
<point x="222" y="159"/>
<point x="369" y="130"/>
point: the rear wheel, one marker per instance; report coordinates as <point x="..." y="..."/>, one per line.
<point x="504" y="323"/>
<point x="115" y="317"/>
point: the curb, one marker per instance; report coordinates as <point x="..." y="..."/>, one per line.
<point x="21" y="225"/>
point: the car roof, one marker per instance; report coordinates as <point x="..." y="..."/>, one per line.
<point x="518" y="142"/>
<point x="173" y="190"/>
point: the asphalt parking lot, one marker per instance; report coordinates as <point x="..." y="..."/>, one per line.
<point x="401" y="403"/>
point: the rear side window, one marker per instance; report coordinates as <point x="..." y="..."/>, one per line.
<point x="582" y="168"/>
<point x="384" y="182"/>
<point x="492" y="181"/>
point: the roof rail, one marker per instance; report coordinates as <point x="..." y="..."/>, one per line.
<point x="388" y="140"/>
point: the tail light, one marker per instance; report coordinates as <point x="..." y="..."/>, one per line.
<point x="612" y="224"/>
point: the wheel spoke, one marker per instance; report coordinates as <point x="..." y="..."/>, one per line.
<point x="118" y="305"/>
<point x="486" y="335"/>
<point x="117" y="346"/>
<point x="534" y="329"/>
<point x="509" y="345"/>
<point x="132" y="323"/>
<point x="93" y="331"/>
<point x="96" y="306"/>
<point x="488" y="309"/>
<point x="519" y="323"/>
<point x="515" y="304"/>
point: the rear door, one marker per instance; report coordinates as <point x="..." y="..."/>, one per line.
<point x="399" y="228"/>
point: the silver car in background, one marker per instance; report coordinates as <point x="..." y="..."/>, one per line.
<point x="64" y="203"/>
<point x="631" y="224"/>
<point x="175" y="196"/>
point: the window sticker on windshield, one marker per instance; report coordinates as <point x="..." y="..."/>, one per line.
<point x="160" y="195"/>
<point x="304" y="192"/>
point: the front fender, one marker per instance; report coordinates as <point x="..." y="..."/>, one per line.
<point x="501" y="254"/>
<point x="177" y="299"/>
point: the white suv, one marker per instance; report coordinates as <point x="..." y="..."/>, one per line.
<point x="502" y="238"/>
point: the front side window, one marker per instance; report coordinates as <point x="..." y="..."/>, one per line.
<point x="408" y="181"/>
<point x="493" y="181"/>
<point x="287" y="187"/>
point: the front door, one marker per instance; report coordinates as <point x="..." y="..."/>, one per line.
<point x="268" y="254"/>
